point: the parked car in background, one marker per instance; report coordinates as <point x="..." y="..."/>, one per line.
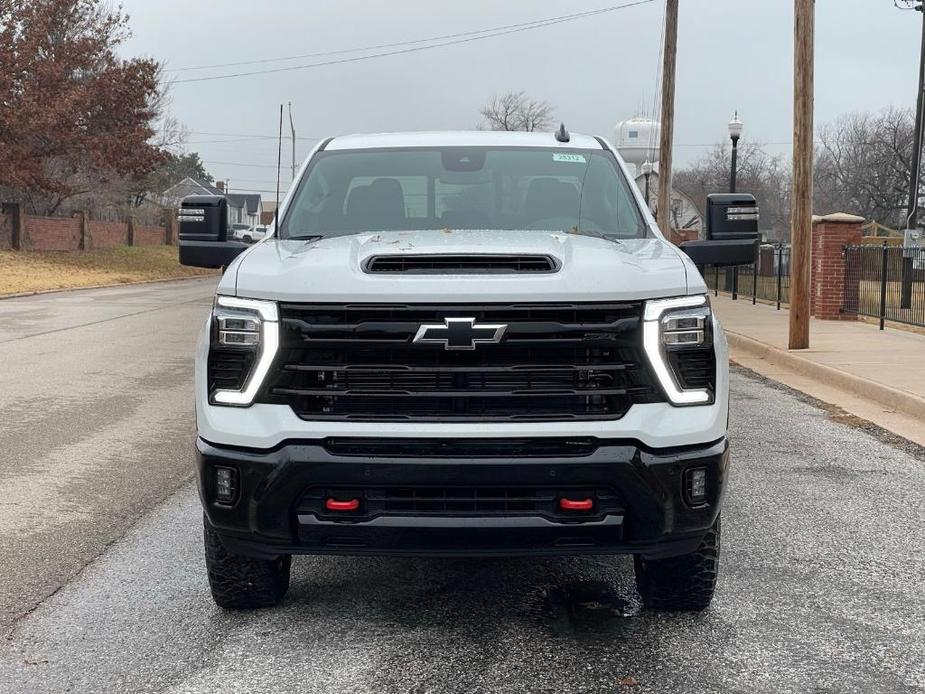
<point x="249" y="234"/>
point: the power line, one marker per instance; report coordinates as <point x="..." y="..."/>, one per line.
<point x="239" y="163"/>
<point x="247" y="136"/>
<point x="340" y="61"/>
<point x="536" y="23"/>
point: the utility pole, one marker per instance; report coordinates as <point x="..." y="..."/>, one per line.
<point x="292" y="128"/>
<point x="663" y="211"/>
<point x="915" y="173"/>
<point x="802" y="196"/>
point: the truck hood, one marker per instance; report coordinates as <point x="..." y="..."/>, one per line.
<point x="331" y="269"/>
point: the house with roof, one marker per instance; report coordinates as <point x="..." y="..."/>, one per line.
<point x="243" y="208"/>
<point x="686" y="217"/>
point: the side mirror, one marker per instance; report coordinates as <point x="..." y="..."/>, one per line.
<point x="203" y="237"/>
<point x="732" y="236"/>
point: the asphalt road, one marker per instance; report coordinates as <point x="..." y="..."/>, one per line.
<point x="822" y="575"/>
<point x="96" y="424"/>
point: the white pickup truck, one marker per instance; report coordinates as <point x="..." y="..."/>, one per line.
<point x="460" y="344"/>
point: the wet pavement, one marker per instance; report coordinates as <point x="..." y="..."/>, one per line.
<point x="822" y="590"/>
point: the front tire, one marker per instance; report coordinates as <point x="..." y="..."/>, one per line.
<point x="243" y="583"/>
<point x="684" y="583"/>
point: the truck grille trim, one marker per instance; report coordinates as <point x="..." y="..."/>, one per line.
<point x="462" y="501"/>
<point x="555" y="362"/>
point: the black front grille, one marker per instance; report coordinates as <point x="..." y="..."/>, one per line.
<point x="461" y="501"/>
<point x="546" y="446"/>
<point x="554" y="362"/>
<point x="461" y="264"/>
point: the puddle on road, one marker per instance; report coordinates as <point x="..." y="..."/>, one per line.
<point x="590" y="607"/>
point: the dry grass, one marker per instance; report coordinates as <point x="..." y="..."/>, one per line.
<point x="37" y="271"/>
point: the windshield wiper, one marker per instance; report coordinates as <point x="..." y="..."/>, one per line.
<point x="311" y="237"/>
<point x="595" y="234"/>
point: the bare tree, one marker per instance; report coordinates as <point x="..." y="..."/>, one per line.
<point x="516" y="111"/>
<point x="863" y="163"/>
<point x="758" y="172"/>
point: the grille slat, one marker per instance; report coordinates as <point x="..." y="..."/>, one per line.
<point x="556" y="361"/>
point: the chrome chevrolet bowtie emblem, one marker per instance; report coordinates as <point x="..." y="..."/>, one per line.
<point x="459" y="333"/>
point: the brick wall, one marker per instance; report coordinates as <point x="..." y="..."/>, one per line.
<point x="106" y="234"/>
<point x="831" y="234"/>
<point x="149" y="236"/>
<point x="678" y="236"/>
<point x="64" y="233"/>
<point x="51" y="234"/>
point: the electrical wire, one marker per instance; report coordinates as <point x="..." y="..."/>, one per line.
<point x="535" y="24"/>
<point x="415" y="49"/>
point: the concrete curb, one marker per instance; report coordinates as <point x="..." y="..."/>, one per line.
<point x="892" y="398"/>
<point x="103" y="286"/>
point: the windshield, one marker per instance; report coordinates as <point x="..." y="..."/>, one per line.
<point x="354" y="191"/>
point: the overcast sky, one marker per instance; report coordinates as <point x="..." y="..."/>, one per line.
<point x="732" y="54"/>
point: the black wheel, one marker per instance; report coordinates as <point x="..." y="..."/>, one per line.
<point x="242" y="583"/>
<point x="248" y="239"/>
<point x="684" y="583"/>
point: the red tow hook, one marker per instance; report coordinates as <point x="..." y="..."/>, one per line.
<point x="332" y="504"/>
<point x="576" y="504"/>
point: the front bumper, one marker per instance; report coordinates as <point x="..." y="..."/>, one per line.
<point x="648" y="514"/>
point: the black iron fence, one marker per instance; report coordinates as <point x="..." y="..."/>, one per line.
<point x="768" y="279"/>
<point x="885" y="282"/>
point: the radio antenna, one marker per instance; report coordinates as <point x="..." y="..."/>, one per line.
<point x="279" y="163"/>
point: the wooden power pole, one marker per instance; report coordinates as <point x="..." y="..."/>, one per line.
<point x="801" y="202"/>
<point x="663" y="209"/>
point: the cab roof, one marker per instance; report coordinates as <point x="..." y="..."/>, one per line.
<point x="462" y="138"/>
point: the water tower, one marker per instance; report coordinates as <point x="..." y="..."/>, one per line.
<point x="637" y="140"/>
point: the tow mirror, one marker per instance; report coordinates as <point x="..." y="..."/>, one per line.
<point x="203" y="236"/>
<point x="731" y="227"/>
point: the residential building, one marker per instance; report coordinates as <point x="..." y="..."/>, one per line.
<point x="243" y="208"/>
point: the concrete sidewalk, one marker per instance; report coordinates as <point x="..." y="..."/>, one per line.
<point x="876" y="375"/>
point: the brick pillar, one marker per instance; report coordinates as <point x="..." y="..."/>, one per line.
<point x="831" y="234"/>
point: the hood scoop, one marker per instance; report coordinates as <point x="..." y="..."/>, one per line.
<point x="457" y="264"/>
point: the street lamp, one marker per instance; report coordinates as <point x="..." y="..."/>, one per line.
<point x="647" y="171"/>
<point x="735" y="132"/>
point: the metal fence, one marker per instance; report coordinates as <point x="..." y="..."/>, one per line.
<point x="768" y="279"/>
<point x="885" y="282"/>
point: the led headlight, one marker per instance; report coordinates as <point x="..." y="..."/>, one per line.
<point x="678" y="341"/>
<point x="245" y="338"/>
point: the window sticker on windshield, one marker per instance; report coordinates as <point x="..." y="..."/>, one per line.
<point x="565" y="156"/>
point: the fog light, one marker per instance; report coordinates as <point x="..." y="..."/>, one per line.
<point x="226" y="484"/>
<point x="696" y="485"/>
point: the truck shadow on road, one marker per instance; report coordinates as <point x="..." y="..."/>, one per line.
<point x="568" y="597"/>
